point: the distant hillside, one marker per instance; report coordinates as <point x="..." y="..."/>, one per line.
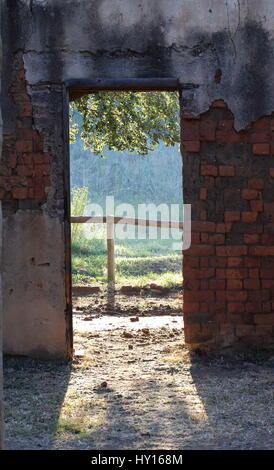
<point x="156" y="178"/>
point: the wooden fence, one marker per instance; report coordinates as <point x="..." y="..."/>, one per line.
<point x="111" y="221"/>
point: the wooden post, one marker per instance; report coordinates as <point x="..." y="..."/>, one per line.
<point x="110" y="245"/>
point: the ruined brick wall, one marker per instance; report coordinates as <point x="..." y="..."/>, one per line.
<point x="215" y="52"/>
<point x="1" y="300"/>
<point x="32" y="173"/>
<point x="25" y="167"/>
<point x="228" y="271"/>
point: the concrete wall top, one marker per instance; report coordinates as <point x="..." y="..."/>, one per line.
<point x="224" y="47"/>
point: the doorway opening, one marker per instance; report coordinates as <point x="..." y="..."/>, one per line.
<point x="126" y="213"/>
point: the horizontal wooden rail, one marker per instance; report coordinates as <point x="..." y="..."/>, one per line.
<point x="126" y="220"/>
<point x="111" y="221"/>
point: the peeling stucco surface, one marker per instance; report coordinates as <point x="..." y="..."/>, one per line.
<point x="38" y="281"/>
<point x="186" y="39"/>
<point x="1" y="300"/>
<point x="225" y="48"/>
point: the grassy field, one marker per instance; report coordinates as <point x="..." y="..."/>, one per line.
<point x="138" y="262"/>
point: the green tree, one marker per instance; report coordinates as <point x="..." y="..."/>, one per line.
<point x="131" y="121"/>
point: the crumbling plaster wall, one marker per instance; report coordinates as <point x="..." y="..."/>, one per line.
<point x="223" y="48"/>
<point x="191" y="40"/>
<point x="1" y="303"/>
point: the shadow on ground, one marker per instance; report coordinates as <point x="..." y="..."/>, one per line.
<point x="142" y="390"/>
<point x="34" y="395"/>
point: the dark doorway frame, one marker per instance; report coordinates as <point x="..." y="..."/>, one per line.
<point x="72" y="90"/>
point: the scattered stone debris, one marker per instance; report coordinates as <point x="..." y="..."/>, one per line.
<point x="159" y="290"/>
<point x="85" y="290"/>
<point x="130" y="290"/>
<point x="126" y="334"/>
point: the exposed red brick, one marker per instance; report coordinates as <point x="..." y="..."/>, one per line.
<point x="190" y="133"/>
<point x="193" y="284"/>
<point x="195" y="238"/>
<point x="200" y="226"/>
<point x="264" y="319"/>
<point x="257" y="206"/>
<point x="232" y="216"/>
<point x="262" y="124"/>
<point x="231" y="250"/>
<point x="234" y="284"/>
<point x="25" y="159"/>
<point x="235" y="262"/>
<point x="235" y="307"/>
<point x="226" y="170"/>
<point x="263" y="330"/>
<point x="200" y="296"/>
<point x="259" y="295"/>
<point x="39" y="192"/>
<point x="190" y="307"/>
<point x="24" y="146"/>
<point x="251" y="284"/>
<point x="41" y="170"/>
<point x="238" y="295"/>
<point x="249" y="216"/>
<point x="209" y="170"/>
<point x="260" y="137"/>
<point x="226" y="329"/>
<point x="219" y="104"/>
<point x="266" y="273"/>
<point x="267" y="307"/>
<point x="204" y="262"/>
<point x="253" y="273"/>
<point x="217" y="239"/>
<point x="20" y="193"/>
<point x="4" y="170"/>
<point x="245" y="330"/>
<point x="25" y="134"/>
<point x="227" y="136"/>
<point x="250" y="194"/>
<point x="256" y="183"/>
<point x="217" y="262"/>
<point x="230" y="273"/>
<point x="192" y="146"/>
<point x="261" y="149"/>
<point x="250" y="238"/>
<point x="203" y="194"/>
<point x="203" y="215"/>
<point x="217" y="284"/>
<point x="25" y="170"/>
<point x="267" y="283"/>
<point x="25" y="110"/>
<point x="11" y="160"/>
<point x="261" y="250"/>
<point x="208" y="131"/>
<point x="223" y="227"/>
<point x="41" y="158"/>
<point x="251" y="261"/>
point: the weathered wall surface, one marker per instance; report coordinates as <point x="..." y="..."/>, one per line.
<point x="228" y="270"/>
<point x="36" y="315"/>
<point x="1" y="300"/>
<point x="223" y="46"/>
<point x="224" y="49"/>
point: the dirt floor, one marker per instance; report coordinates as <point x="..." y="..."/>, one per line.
<point x="134" y="385"/>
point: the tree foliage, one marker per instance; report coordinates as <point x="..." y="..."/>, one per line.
<point x="127" y="121"/>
